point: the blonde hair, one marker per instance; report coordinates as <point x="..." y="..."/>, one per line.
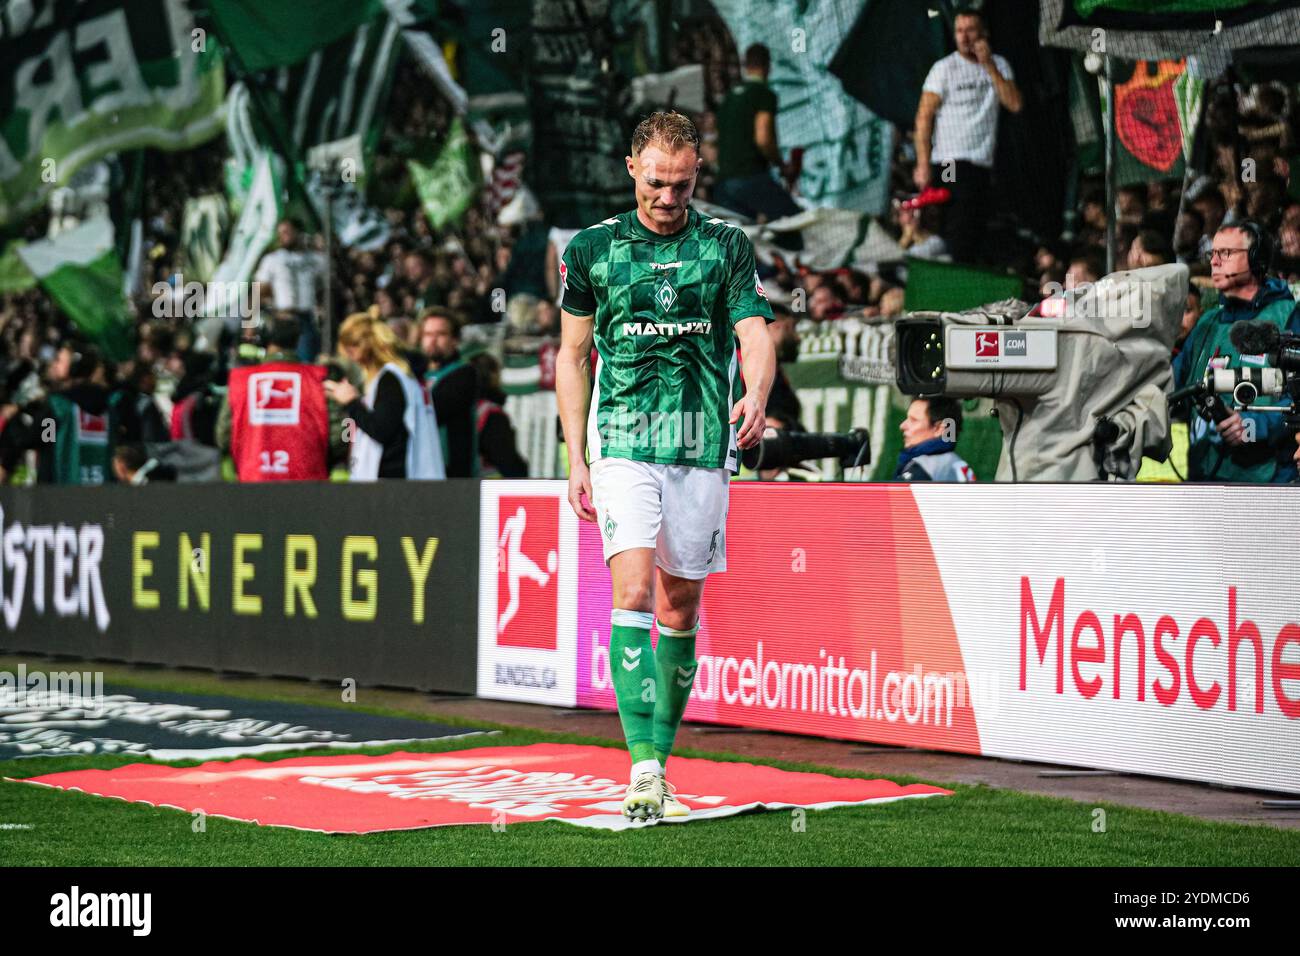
<point x="377" y="342"/>
<point x="669" y="130"/>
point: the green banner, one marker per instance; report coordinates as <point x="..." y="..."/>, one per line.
<point x="1086" y="8"/>
<point x="268" y="33"/>
<point x="448" y="186"/>
<point x="340" y="89"/>
<point x="81" y="80"/>
<point x="948" y="287"/>
<point x="580" y="134"/>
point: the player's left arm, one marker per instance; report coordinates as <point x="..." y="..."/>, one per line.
<point x="758" y="366"/>
<point x="749" y="313"/>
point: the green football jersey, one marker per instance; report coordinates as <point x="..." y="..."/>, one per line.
<point x="664" y="307"/>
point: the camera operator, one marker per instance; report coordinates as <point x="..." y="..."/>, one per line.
<point x="930" y="433"/>
<point x="1232" y="450"/>
<point x="275" y="421"/>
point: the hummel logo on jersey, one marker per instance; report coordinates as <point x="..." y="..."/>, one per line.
<point x="685" y="675"/>
<point x="665" y="295"/>
<point x="665" y="265"/>
<point x="667" y="328"/>
<point x="631" y="658"/>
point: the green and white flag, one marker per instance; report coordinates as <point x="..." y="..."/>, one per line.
<point x="79" y="81"/>
<point x="253" y="233"/>
<point x="341" y="89"/>
<point x="448" y="186"/>
<point x="847" y="148"/>
<point x="80" y="271"/>
<point x="204" y="226"/>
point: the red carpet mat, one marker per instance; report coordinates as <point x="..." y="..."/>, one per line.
<point x="492" y="785"/>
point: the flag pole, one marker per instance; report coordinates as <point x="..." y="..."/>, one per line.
<point x="1111" y="199"/>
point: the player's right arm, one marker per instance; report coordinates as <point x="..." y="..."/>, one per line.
<point x="572" y="393"/>
<point x="573" y="372"/>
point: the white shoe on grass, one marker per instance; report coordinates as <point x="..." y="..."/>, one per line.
<point x="645" y="797"/>
<point x="674" y="809"/>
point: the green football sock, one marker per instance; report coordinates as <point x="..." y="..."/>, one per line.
<point x="675" y="660"/>
<point x="632" y="668"/>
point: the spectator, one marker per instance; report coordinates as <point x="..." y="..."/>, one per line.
<point x="1150" y="248"/>
<point x="453" y="387"/>
<point x="396" y="433"/>
<point x="930" y="433"/>
<point x="919" y="236"/>
<point x="138" y="414"/>
<point x="73" y="430"/>
<point x="1095" y="216"/>
<point x="825" y="303"/>
<point x="1187" y="236"/>
<point x="1191" y="315"/>
<point x="747" y="146"/>
<point x="1083" y="270"/>
<point x="1289" y="253"/>
<point x="196" y="400"/>
<point x="891" y="302"/>
<point x="498" y="454"/>
<point x="1247" y="446"/>
<point x="132" y="465"/>
<point x="959" y="108"/>
<point x="425" y="288"/>
<point x="1051" y="282"/>
<point x="294" y="277"/>
<point x="1132" y="203"/>
<point x="1209" y="202"/>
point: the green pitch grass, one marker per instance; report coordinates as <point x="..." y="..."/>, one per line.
<point x="977" y="826"/>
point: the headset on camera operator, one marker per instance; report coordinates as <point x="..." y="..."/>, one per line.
<point x="1225" y="449"/>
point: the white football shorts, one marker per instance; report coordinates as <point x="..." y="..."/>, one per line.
<point x="678" y="510"/>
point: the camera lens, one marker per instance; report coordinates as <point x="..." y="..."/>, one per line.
<point x="920" y="357"/>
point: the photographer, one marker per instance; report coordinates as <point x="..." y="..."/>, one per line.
<point x="928" y="453"/>
<point x="275" y="421"/>
<point x="1246" y="446"/>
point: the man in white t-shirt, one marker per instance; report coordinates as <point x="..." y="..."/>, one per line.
<point x="294" y="277"/>
<point x="959" y="110"/>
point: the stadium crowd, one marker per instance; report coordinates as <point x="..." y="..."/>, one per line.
<point x="429" y="313"/>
